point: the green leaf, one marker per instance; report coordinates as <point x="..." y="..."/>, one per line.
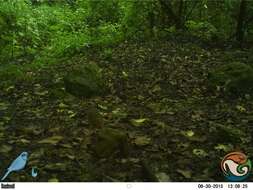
<point x="142" y="140"/>
<point x="53" y="180"/>
<point x="186" y="173"/>
<point x="119" y="113"/>
<point x="51" y="140"/>
<point x="24" y="141"/>
<point x="102" y="107"/>
<point x="188" y="133"/>
<point x="71" y="114"/>
<point x="224" y="147"/>
<point x="62" y="105"/>
<point x="163" y="177"/>
<point x="42" y="93"/>
<point x="4" y="106"/>
<point x="9" y="88"/>
<point x="156" y="88"/>
<point x="138" y="122"/>
<point x="124" y="74"/>
<point x="199" y="152"/>
<point x="240" y="108"/>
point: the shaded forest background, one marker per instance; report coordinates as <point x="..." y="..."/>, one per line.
<point x="45" y="31"/>
<point x="167" y="93"/>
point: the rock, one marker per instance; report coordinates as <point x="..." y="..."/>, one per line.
<point x="84" y="81"/>
<point x="234" y="79"/>
<point x="108" y="141"/>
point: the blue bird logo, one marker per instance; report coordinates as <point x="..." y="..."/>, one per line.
<point x="34" y="172"/>
<point x="18" y="164"/>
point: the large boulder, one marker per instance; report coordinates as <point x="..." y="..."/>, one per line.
<point x="234" y="79"/>
<point x="84" y="81"/>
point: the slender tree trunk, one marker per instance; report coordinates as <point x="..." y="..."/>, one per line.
<point x="240" y="21"/>
<point x="180" y="14"/>
<point x="186" y="17"/>
<point x="151" y="17"/>
<point x="168" y="9"/>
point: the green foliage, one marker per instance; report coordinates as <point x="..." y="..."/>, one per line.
<point x="10" y="73"/>
<point x="104" y="35"/>
<point x="204" y="30"/>
<point x="100" y="12"/>
<point x="139" y="19"/>
<point x="10" y="14"/>
<point x="40" y="32"/>
<point x="44" y="31"/>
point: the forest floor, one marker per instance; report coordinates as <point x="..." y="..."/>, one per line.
<point x="183" y="131"/>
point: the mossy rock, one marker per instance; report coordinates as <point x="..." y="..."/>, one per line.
<point x="234" y="79"/>
<point x="85" y="81"/>
<point x="108" y="142"/>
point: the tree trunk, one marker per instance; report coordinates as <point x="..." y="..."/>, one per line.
<point x="168" y="9"/>
<point x="180" y="14"/>
<point x="240" y="21"/>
